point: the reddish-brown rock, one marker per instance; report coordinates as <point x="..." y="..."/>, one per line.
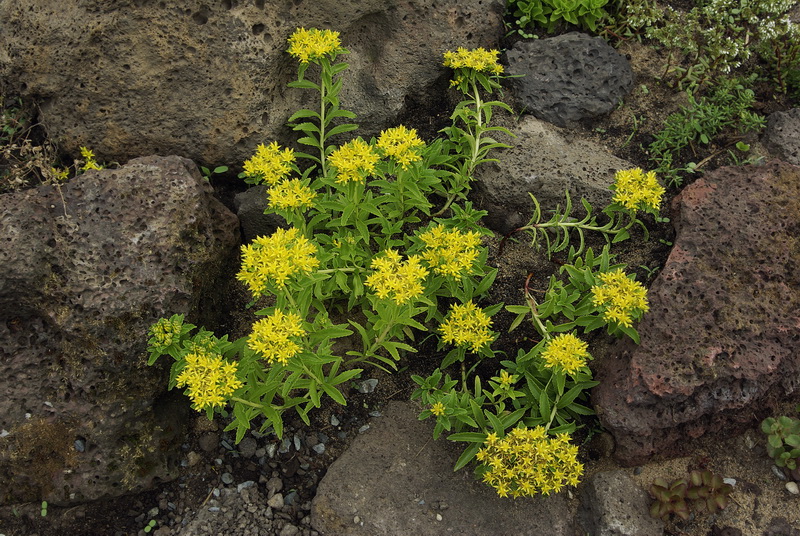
<point x="721" y="342"/>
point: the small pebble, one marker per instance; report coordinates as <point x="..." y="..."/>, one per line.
<point x="367" y="386"/>
<point x="778" y="472"/>
<point x="322" y="437"/>
<point x="290" y="498"/>
<point x="297" y="443"/>
<point x="245" y="485"/>
<point x="356" y="520"/>
<point x="216" y="492"/>
<point x="227" y="478"/>
<point x="729" y="481"/>
<point x="276" y="501"/>
<point x="334" y="421"/>
<point x="80" y="445"/>
<point x="226" y="445"/>
<point x="375" y="414"/>
<point x="213" y="508"/>
<point x="792" y="488"/>
<point x="438" y="517"/>
<point x="363" y="429"/>
<point x="271" y="449"/>
<point x="319" y="448"/>
<point x="193" y="458"/>
<point x="637" y="471"/>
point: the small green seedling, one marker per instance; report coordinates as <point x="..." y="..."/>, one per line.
<point x="44" y="508"/>
<point x="150" y="526"/>
<point x="670" y="498"/>
<point x="707" y="491"/>
<point x="216" y="171"/>
<point x="783" y="440"/>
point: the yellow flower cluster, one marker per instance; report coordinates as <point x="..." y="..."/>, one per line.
<point x="622" y="297"/>
<point x="209" y="378"/>
<point x="89" y="161"/>
<point x="528" y="461"/>
<point x="479" y="59"/>
<point x="354" y="160"/>
<point x="635" y="189"/>
<point x="505" y="380"/>
<point x="270" y="164"/>
<point x="309" y="45"/>
<point x="272" y="337"/>
<point x="449" y="251"/>
<point x="401" y="144"/>
<point x="566" y="352"/>
<point x="438" y="409"/>
<point x="166" y="332"/>
<point x="290" y="193"/>
<point x="467" y="325"/>
<point x="402" y="280"/>
<point x="276" y="257"/>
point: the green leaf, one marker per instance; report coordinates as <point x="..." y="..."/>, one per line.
<point x="302" y="114"/>
<point x="469" y="437"/>
<point x="467" y="456"/>
<point x="544" y="405"/>
<point x="334" y="393"/>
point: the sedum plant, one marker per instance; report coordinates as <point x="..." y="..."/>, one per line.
<point x="548" y="14"/>
<point x="704" y="492"/>
<point x="783" y="441"/>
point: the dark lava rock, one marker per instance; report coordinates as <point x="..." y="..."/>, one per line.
<point x="569" y="77"/>
<point x="782" y="135"/>
<point x="613" y="504"/>
<point x="77" y="295"/>
<point x="722" y="338"/>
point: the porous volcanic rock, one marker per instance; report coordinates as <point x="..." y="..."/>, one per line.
<point x="83" y="416"/>
<point x="394" y="479"/>
<point x="721" y="343"/>
<point x="207" y="80"/>
<point x="568" y="77"/>
<point x="782" y="135"/>
<point x="544" y="161"/>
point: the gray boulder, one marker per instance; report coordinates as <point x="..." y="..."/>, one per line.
<point x="83" y="415"/>
<point x="721" y="343"/>
<point x="782" y="135"/>
<point x="394" y="479"/>
<point x="207" y="80"/>
<point x="612" y="504"/>
<point x="544" y="162"/>
<point x="569" y="77"/>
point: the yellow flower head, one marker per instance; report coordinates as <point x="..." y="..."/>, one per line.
<point x="277" y="257"/>
<point x="90" y="162"/>
<point x="270" y="164"/>
<point x="312" y="44"/>
<point x="209" y="379"/>
<point x="401" y="144"/>
<point x="635" y="189"/>
<point x="479" y="59"/>
<point x="354" y="160"/>
<point x="400" y="280"/>
<point x="449" y="251"/>
<point x="527" y="461"/>
<point x="467" y="325"/>
<point x="60" y="175"/>
<point x="290" y="193"/>
<point x="438" y="409"/>
<point x="566" y="352"/>
<point x="505" y="379"/>
<point x="274" y="337"/>
<point x="623" y="298"/>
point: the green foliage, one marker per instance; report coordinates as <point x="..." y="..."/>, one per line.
<point x="548" y="14"/>
<point x="207" y="173"/>
<point x="703" y="492"/>
<point x="44" y="509"/>
<point x="783" y="440"/>
<point x="150" y="526"/>
<point x="728" y="106"/>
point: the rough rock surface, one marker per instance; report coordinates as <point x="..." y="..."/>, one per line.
<point x="546" y="162"/>
<point x="722" y="339"/>
<point x="207" y="80"/>
<point x="612" y="504"/>
<point x="569" y="77"/>
<point x="782" y="135"/>
<point x="394" y="479"/>
<point x="77" y="295"/>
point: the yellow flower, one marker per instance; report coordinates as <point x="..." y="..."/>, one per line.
<point x="277" y="257"/>
<point x="400" y="280"/>
<point x="209" y="378"/>
<point x="401" y="144"/>
<point x="90" y="162"/>
<point x="634" y="189"/>
<point x="467" y="325"/>
<point x="438" y="409"/>
<point x="566" y="352"/>
<point x="479" y="59"/>
<point x="623" y="298"/>
<point x="290" y="193"/>
<point x="60" y="175"/>
<point x="505" y="379"/>
<point x="449" y="251"/>
<point x="354" y="160"/>
<point x="528" y="461"/>
<point x="312" y="44"/>
<point x="273" y="337"/>
<point x="270" y="164"/>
